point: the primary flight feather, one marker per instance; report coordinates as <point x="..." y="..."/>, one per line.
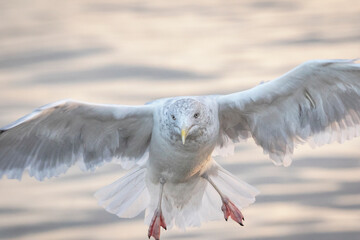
<point x="169" y="142"/>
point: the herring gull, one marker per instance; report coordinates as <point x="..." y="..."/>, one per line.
<point x="169" y="143"/>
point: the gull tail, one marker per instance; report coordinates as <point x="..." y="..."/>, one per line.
<point x="126" y="197"/>
<point x="196" y="201"/>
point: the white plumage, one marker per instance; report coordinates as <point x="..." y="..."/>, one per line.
<point x="169" y="142"/>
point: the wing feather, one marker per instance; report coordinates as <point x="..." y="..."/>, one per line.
<point x="318" y="101"/>
<point x="54" y="137"/>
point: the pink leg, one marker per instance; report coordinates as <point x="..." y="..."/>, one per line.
<point x="228" y="207"/>
<point x="231" y="210"/>
<point x="158" y="220"/>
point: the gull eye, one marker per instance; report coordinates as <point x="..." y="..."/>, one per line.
<point x="196" y="115"/>
<point x="173" y="117"/>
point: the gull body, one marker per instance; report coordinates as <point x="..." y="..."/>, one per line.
<point x="168" y="144"/>
<point x="173" y="158"/>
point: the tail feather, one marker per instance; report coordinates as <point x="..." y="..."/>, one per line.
<point x="183" y="204"/>
<point x="240" y="193"/>
<point x="196" y="201"/>
<point x="211" y="205"/>
<point x="126" y="197"/>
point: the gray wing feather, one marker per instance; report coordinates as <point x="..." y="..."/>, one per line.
<point x="54" y="137"/>
<point x="318" y="102"/>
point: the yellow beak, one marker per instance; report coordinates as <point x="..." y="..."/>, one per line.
<point x="184" y="133"/>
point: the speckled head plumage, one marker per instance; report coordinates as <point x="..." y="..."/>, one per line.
<point x="187" y="121"/>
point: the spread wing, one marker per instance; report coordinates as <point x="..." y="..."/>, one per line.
<point x="54" y="137"/>
<point x="318" y="101"/>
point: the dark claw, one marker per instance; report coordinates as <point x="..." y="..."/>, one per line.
<point x="241" y="224"/>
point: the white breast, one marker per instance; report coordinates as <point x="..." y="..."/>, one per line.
<point x="177" y="162"/>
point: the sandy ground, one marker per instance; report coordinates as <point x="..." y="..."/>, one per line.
<point x="130" y="52"/>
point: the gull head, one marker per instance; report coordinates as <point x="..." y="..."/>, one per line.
<point x="188" y="120"/>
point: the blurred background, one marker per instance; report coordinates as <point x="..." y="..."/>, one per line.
<point x="131" y="52"/>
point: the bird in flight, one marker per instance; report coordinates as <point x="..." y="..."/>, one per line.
<point x="168" y="144"/>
